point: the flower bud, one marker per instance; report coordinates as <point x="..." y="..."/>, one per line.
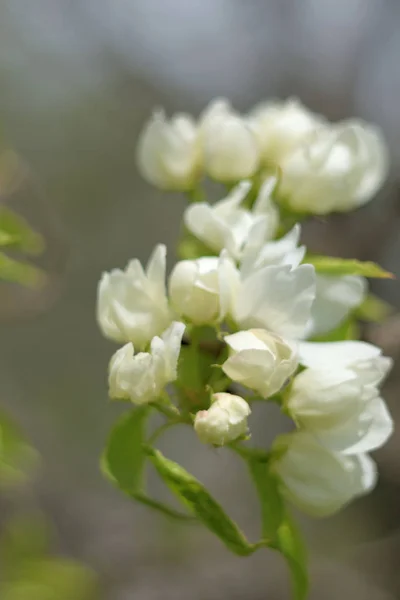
<point x="336" y="168"/>
<point x="141" y="377"/>
<point x="224" y="421"/>
<point x="260" y="361"/>
<point x="200" y="289"/>
<point x="231" y="149"/>
<point x="132" y="305"/>
<point x="281" y="126"/>
<point x="169" y="153"/>
<point x="226" y="224"/>
<point x="318" y="481"/>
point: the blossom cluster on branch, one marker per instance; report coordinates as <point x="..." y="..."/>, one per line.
<point x="247" y="314"/>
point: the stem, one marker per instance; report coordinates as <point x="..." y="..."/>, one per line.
<point x="195" y="195"/>
<point x="165" y="407"/>
<point x="250" y="453"/>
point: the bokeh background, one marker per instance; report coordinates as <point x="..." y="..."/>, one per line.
<point x="78" y="78"/>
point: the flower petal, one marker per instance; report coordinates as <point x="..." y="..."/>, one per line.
<point x="278" y="299"/>
<point x="340" y="354"/>
<point x="284" y="251"/>
<point x="377" y="432"/>
<point x="336" y="297"/>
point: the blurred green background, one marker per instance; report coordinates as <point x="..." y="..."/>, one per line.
<point x="78" y="78"/>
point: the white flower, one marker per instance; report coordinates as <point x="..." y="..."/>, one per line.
<point x="228" y="225"/>
<point x="141" y="377"/>
<point x="337" y="168"/>
<point x="285" y="251"/>
<point x="276" y="298"/>
<point x="169" y="152"/>
<point x="336" y="298"/>
<point x="281" y="126"/>
<point x="361" y="357"/>
<point x="231" y="150"/>
<point x="274" y="292"/>
<point x="260" y="360"/>
<point x="342" y="408"/>
<point x="201" y="290"/>
<point x="132" y="305"/>
<point x="224" y="421"/>
<point x="320" y="481"/>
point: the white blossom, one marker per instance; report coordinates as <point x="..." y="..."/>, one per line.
<point x="260" y="360"/>
<point x="141" y="377"/>
<point x="337" y="168"/>
<point x="224" y="421"/>
<point x="317" y="480"/>
<point x="201" y="290"/>
<point x="341" y="408"/>
<point x="276" y="298"/>
<point x="336" y="297"/>
<point x="281" y="126"/>
<point x="226" y="224"/>
<point x="169" y="153"/>
<point x="274" y="292"/>
<point x="132" y="304"/>
<point x="231" y="150"/>
<point x="361" y="357"/>
<point x="284" y="251"/>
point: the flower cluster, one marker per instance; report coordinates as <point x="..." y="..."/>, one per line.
<point x="325" y="167"/>
<point x="251" y="293"/>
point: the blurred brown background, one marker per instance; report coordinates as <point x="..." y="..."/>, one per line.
<point x="78" y="78"/>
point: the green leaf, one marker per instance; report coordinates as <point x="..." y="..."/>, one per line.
<point x="199" y="501"/>
<point x="123" y="458"/>
<point x="16" y="233"/>
<point x="331" y="265"/>
<point x="17" y="458"/>
<point x="278" y="527"/>
<point x="25" y="538"/>
<point x="11" y="171"/>
<point x="161" y="507"/>
<point x="374" y="309"/>
<point x="17" y="271"/>
<point x="51" y="579"/>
